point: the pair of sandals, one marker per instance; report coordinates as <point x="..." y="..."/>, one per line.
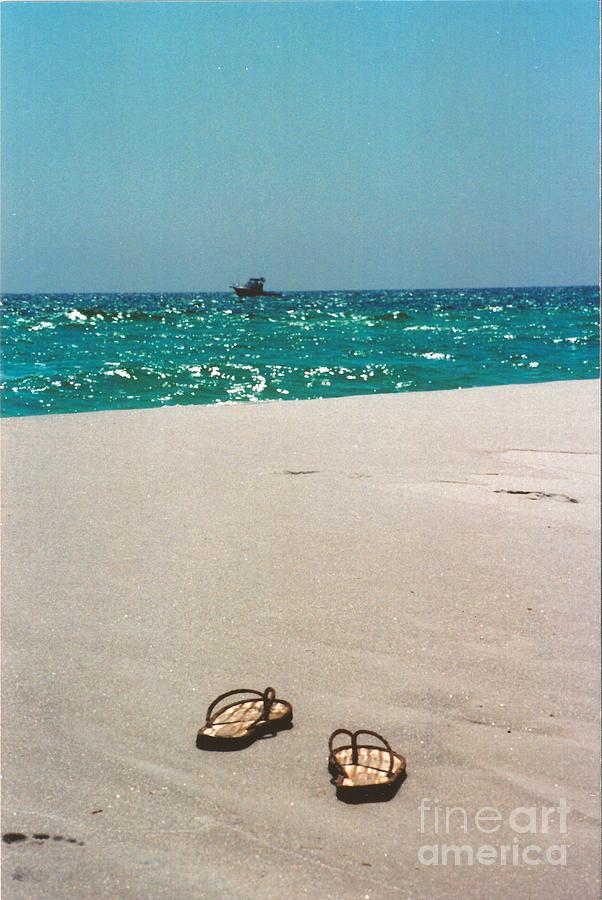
<point x="360" y="771"/>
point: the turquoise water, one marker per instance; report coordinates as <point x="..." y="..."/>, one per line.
<point x="82" y="352"/>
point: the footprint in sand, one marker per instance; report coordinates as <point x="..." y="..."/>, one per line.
<point x="539" y="495"/>
<point x="16" y="837"/>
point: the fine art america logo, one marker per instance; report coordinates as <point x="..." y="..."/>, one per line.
<point x="480" y="846"/>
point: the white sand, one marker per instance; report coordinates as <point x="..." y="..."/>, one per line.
<point x="153" y="559"/>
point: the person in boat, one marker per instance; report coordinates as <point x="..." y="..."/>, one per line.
<point x="256" y="284"/>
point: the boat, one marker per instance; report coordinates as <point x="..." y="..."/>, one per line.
<point x="253" y="288"/>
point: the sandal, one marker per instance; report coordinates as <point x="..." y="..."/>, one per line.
<point x="364" y="772"/>
<point x="239" y="723"/>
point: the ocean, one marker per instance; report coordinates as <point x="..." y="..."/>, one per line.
<point x="64" y="353"/>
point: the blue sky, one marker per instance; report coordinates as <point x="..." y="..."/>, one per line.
<point x="178" y="146"/>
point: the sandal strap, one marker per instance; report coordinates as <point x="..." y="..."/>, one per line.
<point x="268" y="696"/>
<point x="354" y="754"/>
<point x="354" y="748"/>
<point x="332" y="752"/>
<point x="335" y="734"/>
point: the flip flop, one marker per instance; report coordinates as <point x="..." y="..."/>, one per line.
<point x="238" y="724"/>
<point x="364" y="771"/>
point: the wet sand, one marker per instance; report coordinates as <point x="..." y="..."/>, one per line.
<point x="424" y="565"/>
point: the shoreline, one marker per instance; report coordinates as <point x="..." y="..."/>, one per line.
<point x="282" y="400"/>
<point x="423" y="564"/>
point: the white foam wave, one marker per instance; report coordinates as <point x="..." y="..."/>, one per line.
<point x="122" y="373"/>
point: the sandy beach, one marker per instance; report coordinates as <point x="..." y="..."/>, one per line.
<point x="424" y="565"/>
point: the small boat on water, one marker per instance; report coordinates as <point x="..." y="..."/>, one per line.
<point x="253" y="288"/>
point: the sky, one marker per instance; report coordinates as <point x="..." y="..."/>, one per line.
<point x="182" y="146"/>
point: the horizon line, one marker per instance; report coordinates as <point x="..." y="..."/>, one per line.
<point x="5" y="293"/>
